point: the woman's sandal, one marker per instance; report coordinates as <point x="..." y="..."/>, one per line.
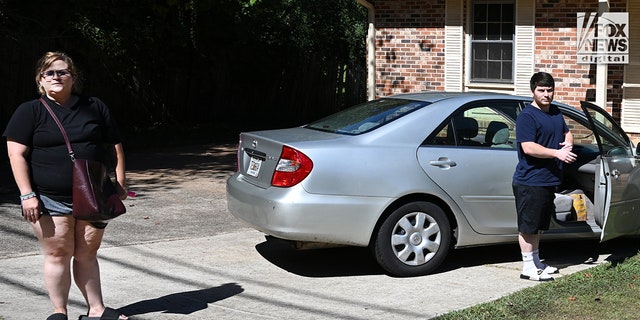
<point x="108" y="314"/>
<point x="57" y="316"/>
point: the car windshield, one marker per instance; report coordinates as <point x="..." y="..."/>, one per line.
<point x="367" y="116"/>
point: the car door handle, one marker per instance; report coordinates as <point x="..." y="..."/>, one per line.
<point x="443" y="162"/>
<point x="615" y="173"/>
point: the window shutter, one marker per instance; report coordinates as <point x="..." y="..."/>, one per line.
<point x="453" y="44"/>
<point x="630" y="118"/>
<point x="525" y="49"/>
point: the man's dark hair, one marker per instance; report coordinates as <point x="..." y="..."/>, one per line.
<point x="542" y="79"/>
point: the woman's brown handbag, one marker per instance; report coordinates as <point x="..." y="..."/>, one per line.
<point x="94" y="195"/>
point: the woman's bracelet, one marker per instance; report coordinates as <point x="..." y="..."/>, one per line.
<point x="27" y="196"/>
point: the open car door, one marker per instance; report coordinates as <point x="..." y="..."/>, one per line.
<point x="617" y="179"/>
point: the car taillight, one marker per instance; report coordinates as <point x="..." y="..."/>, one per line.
<point x="293" y="166"/>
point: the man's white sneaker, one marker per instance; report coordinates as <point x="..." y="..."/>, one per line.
<point x="536" y="275"/>
<point x="550" y="270"/>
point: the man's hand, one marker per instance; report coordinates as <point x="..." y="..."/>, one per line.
<point x="564" y="154"/>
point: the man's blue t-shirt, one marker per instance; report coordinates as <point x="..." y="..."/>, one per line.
<point x="547" y="130"/>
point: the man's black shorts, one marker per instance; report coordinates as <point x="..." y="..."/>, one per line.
<point x="534" y="206"/>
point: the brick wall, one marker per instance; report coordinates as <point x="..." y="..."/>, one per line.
<point x="556" y="38"/>
<point x="410" y="49"/>
<point x="409" y="46"/>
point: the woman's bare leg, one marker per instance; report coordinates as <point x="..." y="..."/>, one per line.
<point x="56" y="237"/>
<point x="86" y="270"/>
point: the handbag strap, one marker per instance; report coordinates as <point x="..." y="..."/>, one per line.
<point x="64" y="133"/>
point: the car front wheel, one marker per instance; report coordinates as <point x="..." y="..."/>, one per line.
<point x="414" y="240"/>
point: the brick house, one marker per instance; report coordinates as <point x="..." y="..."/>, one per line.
<point x="422" y="45"/>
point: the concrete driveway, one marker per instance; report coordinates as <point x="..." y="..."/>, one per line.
<point x="178" y="254"/>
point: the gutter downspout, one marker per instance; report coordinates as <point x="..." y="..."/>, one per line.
<point x="371" y="50"/>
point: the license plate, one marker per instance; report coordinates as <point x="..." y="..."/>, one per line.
<point x="254" y="167"/>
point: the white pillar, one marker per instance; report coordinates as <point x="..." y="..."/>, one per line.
<point x="371" y="50"/>
<point x="371" y="62"/>
<point x="601" y="68"/>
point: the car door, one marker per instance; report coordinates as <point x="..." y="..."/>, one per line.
<point x="617" y="189"/>
<point x="472" y="156"/>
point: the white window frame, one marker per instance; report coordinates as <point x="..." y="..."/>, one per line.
<point x="509" y="41"/>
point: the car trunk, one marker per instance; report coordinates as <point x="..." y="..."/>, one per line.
<point x="259" y="151"/>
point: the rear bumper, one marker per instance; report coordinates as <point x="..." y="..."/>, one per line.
<point x="294" y="214"/>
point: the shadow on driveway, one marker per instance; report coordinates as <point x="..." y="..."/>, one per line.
<point x="184" y="302"/>
<point x="359" y="261"/>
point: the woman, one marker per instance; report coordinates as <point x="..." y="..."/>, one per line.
<point x="42" y="170"/>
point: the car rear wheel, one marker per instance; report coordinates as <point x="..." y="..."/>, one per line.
<point x="414" y="240"/>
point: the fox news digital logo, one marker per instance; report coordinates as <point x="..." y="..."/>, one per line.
<point x="603" y="39"/>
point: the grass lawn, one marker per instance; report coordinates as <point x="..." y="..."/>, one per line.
<point x="607" y="291"/>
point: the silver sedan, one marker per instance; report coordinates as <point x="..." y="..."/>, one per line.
<point x="415" y="175"/>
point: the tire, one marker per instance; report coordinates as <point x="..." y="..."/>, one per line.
<point x="414" y="240"/>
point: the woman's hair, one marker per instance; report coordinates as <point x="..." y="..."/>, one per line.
<point x="542" y="79"/>
<point x="48" y="59"/>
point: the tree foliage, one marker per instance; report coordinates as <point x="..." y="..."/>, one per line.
<point x="193" y="62"/>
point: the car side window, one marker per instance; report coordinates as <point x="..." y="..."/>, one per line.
<point x="480" y="126"/>
<point x="585" y="139"/>
<point x="581" y="134"/>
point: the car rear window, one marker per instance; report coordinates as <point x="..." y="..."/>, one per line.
<point x="367" y="116"/>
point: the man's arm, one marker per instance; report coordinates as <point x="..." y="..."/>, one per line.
<point x="564" y="154"/>
<point x="568" y="139"/>
<point x="535" y="150"/>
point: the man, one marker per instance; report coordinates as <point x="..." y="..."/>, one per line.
<point x="544" y="144"/>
